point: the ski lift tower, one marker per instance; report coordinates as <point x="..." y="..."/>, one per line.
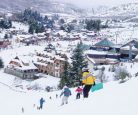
<point x="131" y="44"/>
<point x="130" y="51"/>
<point x="116" y="35"/>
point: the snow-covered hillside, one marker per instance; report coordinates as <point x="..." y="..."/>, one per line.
<point x="42" y="6"/>
<point x="124" y="9"/>
<point x="124" y="12"/>
<point x="114" y="99"/>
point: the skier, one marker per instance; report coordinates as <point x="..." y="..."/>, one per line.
<point x="56" y="95"/>
<point x="22" y="110"/>
<point x="66" y="92"/>
<point x="79" y="92"/>
<point x="50" y="97"/>
<point x="41" y="103"/>
<point x="87" y="80"/>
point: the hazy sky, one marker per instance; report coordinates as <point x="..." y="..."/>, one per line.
<point x="95" y="3"/>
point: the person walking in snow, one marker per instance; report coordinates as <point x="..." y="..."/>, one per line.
<point x="50" y="97"/>
<point x="79" y="92"/>
<point x="56" y="95"/>
<point x="87" y="80"/>
<point x="22" y="110"/>
<point x="66" y="93"/>
<point x="41" y="103"/>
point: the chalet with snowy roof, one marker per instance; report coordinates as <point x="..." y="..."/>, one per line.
<point x="129" y="50"/>
<point x="61" y="33"/>
<point x="104" y="45"/>
<point x="35" y="39"/>
<point x="103" y="52"/>
<point x="91" y="34"/>
<point x="50" y="48"/>
<point x="106" y="52"/>
<point x="21" y="67"/>
<point x="71" y="37"/>
<point x="51" y="63"/>
<point x="30" y="40"/>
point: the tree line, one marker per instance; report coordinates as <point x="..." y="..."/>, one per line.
<point x="37" y="23"/>
<point x="5" y="24"/>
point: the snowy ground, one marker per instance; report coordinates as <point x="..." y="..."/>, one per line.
<point x="20" y="26"/>
<point x="114" y="99"/>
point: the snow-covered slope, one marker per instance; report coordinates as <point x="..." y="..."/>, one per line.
<point x="124" y="11"/>
<point x="114" y="99"/>
<point x="43" y="6"/>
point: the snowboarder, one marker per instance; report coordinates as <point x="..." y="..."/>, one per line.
<point x="79" y="92"/>
<point x="41" y="103"/>
<point x="66" y="92"/>
<point x="87" y="80"/>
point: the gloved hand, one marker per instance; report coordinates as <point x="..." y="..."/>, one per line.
<point x="94" y="84"/>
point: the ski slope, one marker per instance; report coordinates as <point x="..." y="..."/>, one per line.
<point x="114" y="99"/>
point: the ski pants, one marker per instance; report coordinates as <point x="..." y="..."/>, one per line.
<point x="78" y="95"/>
<point x="86" y="90"/>
<point x="64" y="100"/>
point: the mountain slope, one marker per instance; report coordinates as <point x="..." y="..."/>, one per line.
<point x="123" y="12"/>
<point x="124" y="9"/>
<point x="114" y="99"/>
<point x="42" y="6"/>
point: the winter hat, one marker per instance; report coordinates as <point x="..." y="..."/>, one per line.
<point x="65" y="87"/>
<point x="85" y="69"/>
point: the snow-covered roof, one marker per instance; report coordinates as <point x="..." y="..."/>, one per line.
<point x="105" y="43"/>
<point x="24" y="64"/>
<point x="61" y="32"/>
<point x="127" y="48"/>
<point x="40" y="63"/>
<point x="95" y="52"/>
<point x="30" y="67"/>
<point x="59" y="58"/>
<point x="45" y="59"/>
<point x="91" y="34"/>
<point x="136" y="57"/>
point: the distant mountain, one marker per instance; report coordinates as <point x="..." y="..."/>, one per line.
<point x="125" y="9"/>
<point x="125" y="12"/>
<point x="43" y="6"/>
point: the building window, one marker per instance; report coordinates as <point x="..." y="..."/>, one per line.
<point x="57" y="65"/>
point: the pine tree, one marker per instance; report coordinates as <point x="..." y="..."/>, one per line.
<point x="31" y="29"/>
<point x="94" y="25"/>
<point x="78" y="62"/>
<point x="6" y="36"/>
<point x="1" y="63"/>
<point x="65" y="78"/>
<point x="61" y="21"/>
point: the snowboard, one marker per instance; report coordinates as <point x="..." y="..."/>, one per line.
<point x="97" y="87"/>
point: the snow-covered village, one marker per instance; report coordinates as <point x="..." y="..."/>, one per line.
<point x="68" y="57"/>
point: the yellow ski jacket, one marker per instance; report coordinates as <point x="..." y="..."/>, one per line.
<point x="88" y="78"/>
